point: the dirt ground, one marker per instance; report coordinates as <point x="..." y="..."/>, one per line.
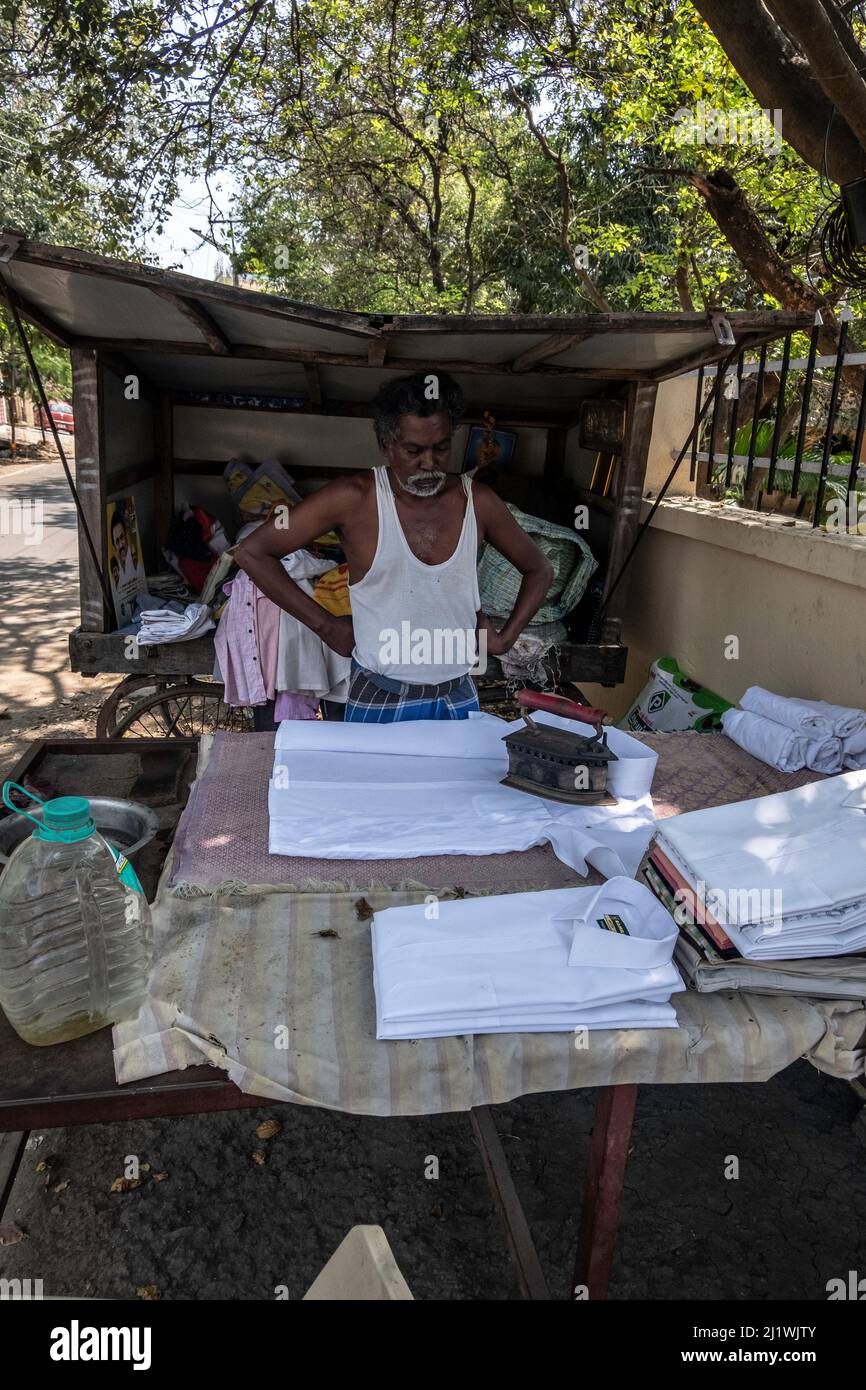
<point x="222" y="1226"/>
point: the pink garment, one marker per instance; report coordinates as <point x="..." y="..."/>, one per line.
<point x="291" y="706"/>
<point x="247" y="642"/>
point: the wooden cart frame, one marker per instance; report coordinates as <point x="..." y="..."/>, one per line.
<point x="193" y="347"/>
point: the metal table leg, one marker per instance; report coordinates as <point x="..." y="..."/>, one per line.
<point x="608" y="1157"/>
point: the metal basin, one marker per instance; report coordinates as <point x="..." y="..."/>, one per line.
<point x="127" y="824"/>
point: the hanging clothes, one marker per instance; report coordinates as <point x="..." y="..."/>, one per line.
<point x="305" y="664"/>
<point x="247" y="644"/>
<point x="289" y="706"/>
<point x="331" y="591"/>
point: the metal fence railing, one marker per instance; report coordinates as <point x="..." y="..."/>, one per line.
<point x="787" y="433"/>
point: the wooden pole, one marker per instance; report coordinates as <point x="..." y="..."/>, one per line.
<point x="13" y="411"/>
<point x="96" y="609"/>
<point x="629" y="492"/>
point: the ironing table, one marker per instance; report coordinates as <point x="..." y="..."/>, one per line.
<point x="205" y="888"/>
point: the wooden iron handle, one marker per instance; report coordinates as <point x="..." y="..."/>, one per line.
<point x="558" y="704"/>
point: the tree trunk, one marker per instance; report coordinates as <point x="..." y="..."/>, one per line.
<point x="780" y="78"/>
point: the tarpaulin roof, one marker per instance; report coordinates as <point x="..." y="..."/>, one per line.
<point x="192" y="334"/>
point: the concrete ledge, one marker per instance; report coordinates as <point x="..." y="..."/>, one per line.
<point x="797" y="546"/>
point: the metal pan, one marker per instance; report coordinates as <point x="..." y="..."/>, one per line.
<point x="128" y="825"/>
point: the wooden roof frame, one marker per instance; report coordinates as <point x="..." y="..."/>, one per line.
<point x="190" y="297"/>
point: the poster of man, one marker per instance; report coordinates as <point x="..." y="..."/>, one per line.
<point x="125" y="563"/>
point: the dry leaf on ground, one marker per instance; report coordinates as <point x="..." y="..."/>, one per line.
<point x="125" y="1184"/>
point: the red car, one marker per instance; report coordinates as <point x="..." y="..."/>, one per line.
<point x="62" y="415"/>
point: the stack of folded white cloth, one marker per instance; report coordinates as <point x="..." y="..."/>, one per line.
<point x="783" y="876"/>
<point x="546" y="962"/>
<point x="167" y="625"/>
<point x="791" y="734"/>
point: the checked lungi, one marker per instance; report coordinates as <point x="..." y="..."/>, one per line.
<point x="374" y="699"/>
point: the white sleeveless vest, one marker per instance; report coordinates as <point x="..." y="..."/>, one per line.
<point x="415" y="622"/>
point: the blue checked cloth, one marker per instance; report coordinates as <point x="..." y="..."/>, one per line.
<point x="374" y="699"/>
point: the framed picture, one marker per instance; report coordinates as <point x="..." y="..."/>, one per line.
<point x="602" y="425"/>
<point x="125" y="565"/>
<point x="487" y="448"/>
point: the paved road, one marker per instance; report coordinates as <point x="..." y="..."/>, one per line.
<point x="39" y="579"/>
<point x="39" y="588"/>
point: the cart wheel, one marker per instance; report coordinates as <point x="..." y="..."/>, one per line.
<point x="121" y="701"/>
<point x="179" y="711"/>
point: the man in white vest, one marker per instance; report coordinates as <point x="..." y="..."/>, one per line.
<point x="410" y="531"/>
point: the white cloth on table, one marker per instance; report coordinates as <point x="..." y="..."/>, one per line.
<point x="787" y="872"/>
<point x="431" y="787"/>
<point x="776" y="744"/>
<point x="824" y="754"/>
<point x="854" y="750"/>
<point x="814" y="716"/>
<point x="781" y="745"/>
<point x="524" y="962"/>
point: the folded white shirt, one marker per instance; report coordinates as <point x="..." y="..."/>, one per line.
<point x="638" y="1014"/>
<point x="524" y="962"/>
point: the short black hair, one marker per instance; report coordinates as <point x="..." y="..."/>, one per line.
<point x="423" y="393"/>
<point x="117" y="520"/>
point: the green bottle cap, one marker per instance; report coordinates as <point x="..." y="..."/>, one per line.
<point x="66" y="818"/>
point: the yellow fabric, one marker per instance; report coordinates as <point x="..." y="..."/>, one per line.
<point x="331" y="590"/>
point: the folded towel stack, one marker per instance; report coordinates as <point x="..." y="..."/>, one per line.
<point x="547" y="962"/>
<point x="791" y="734"/>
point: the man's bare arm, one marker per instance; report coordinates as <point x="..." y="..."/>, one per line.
<point x="502" y="531"/>
<point x="259" y="555"/>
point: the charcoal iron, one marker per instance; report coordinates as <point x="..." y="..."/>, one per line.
<point x="554" y="763"/>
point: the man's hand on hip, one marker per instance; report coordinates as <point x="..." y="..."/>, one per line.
<point x="497" y="643"/>
<point x="339" y="635"/>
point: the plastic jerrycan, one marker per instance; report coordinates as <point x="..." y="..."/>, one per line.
<point x="75" y="937"/>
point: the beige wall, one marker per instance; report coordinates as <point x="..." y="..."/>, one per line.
<point x="795" y="599"/>
<point x="672" y="420"/>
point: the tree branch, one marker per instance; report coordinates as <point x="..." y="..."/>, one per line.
<point x="779" y="78"/>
